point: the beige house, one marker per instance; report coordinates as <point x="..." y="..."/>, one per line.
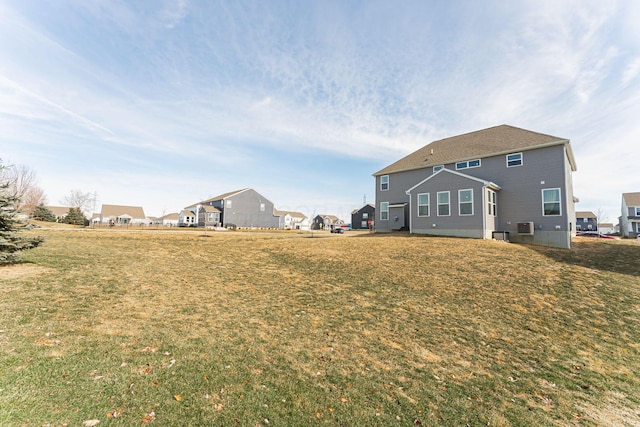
<point x="58" y="211"/>
<point x="122" y="215"/>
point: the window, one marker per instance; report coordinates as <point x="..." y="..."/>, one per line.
<point x="514" y="160"/>
<point x="437" y="168"/>
<point x="551" y="202"/>
<point x="363" y="224"/>
<point x="585" y="219"/>
<point x="423" y="204"/>
<point x="637" y="210"/>
<point x="465" y="202"/>
<point x="443" y="203"/>
<point x="384" y="183"/>
<point x="468" y="164"/>
<point x="491" y="202"/>
<point x="262" y="207"/>
<point x="365" y="215"/>
<point x="228" y="203"/>
<point x="384" y="211"/>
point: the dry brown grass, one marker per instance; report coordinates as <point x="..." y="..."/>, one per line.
<point x="366" y="330"/>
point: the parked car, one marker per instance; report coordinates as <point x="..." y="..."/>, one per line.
<point x="596" y="234"/>
<point x="338" y="230"/>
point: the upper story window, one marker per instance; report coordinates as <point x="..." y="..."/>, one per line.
<point x="443" y="203"/>
<point x="465" y="202"/>
<point x="423" y="204"/>
<point x="365" y="215"/>
<point x="437" y="168"/>
<point x="262" y="207"/>
<point x="228" y="203"/>
<point x="637" y="210"/>
<point x="384" y="211"/>
<point x="468" y="164"/>
<point x="384" y="182"/>
<point x="551" y="202"/>
<point x="514" y="160"/>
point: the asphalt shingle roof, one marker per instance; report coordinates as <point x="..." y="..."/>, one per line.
<point x="632" y="199"/>
<point x="493" y="141"/>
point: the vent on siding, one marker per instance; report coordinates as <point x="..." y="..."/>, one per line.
<point x="525" y="228"/>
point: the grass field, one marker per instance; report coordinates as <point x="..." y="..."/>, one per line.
<point x="280" y="329"/>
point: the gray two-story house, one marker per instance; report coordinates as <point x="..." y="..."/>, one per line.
<point x="630" y="218"/>
<point x="501" y="180"/>
<point x="242" y="208"/>
<point x="586" y="221"/>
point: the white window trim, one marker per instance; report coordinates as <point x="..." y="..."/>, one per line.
<point x="437" y="168"/>
<point x="460" y="202"/>
<point x="382" y="211"/>
<point x="559" y="200"/>
<point x="637" y="210"/>
<point x="438" y="204"/>
<point x="382" y="183"/>
<point x="514" y="154"/>
<point x="428" y="205"/>
<point x="466" y="164"/>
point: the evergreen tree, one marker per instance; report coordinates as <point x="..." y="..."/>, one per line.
<point x="75" y="216"/>
<point x="41" y="213"/>
<point x="10" y="241"/>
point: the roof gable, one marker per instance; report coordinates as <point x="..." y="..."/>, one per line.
<point x="218" y="198"/>
<point x="489" y="184"/>
<point x="493" y="141"/>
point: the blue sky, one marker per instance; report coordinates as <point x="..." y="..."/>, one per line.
<point x="164" y="103"/>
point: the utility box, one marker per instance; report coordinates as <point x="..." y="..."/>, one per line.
<point x="500" y="235"/>
<point x="525" y="228"/>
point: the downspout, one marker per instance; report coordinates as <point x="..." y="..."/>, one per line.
<point x="410" y="213"/>
<point x="484" y="212"/>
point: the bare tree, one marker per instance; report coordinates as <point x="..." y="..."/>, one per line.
<point x="33" y="198"/>
<point x="22" y="184"/>
<point x="79" y="199"/>
<point x="601" y="216"/>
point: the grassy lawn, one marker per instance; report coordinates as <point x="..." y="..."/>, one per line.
<point x="279" y="329"/>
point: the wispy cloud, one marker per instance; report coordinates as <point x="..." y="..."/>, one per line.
<point x="211" y="88"/>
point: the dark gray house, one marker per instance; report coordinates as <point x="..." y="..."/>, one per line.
<point x="363" y="218"/>
<point x="586" y="221"/>
<point x="630" y="218"/>
<point x="325" y="222"/>
<point x="244" y="208"/>
<point x="502" y="181"/>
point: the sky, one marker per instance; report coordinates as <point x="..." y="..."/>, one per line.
<point x="164" y="103"/>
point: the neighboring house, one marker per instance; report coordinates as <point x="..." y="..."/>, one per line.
<point x="362" y="219"/>
<point x="60" y="212"/>
<point x="241" y="208"/>
<point x="606" y="228"/>
<point x="122" y="215"/>
<point x="168" y="220"/>
<point x="325" y="222"/>
<point x="586" y="221"/>
<point x="208" y="216"/>
<point x="498" y="180"/>
<point x="186" y="218"/>
<point x="630" y="215"/>
<point x="290" y="220"/>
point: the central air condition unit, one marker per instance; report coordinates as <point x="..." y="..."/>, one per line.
<point x="525" y="228"/>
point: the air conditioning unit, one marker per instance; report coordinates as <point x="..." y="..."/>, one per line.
<point x="525" y="228"/>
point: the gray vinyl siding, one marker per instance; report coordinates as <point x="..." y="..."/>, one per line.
<point x="245" y="211"/>
<point x="519" y="200"/>
<point x="399" y="183"/>
<point x="454" y="224"/>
